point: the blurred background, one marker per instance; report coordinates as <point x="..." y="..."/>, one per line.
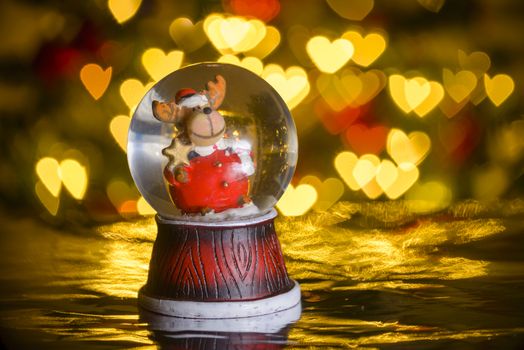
<point x="416" y="100"/>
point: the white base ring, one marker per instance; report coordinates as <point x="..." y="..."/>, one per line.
<point x="272" y="323"/>
<point x="221" y="309"/>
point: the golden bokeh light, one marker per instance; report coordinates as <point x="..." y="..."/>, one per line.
<point x="498" y="87"/>
<point x="355" y="10"/>
<point x="428" y="197"/>
<point x="119" y="127"/>
<point x="333" y="93"/>
<point x="365" y="169"/>
<point x="296" y="201"/>
<point x="158" y="64"/>
<point x="48" y="170"/>
<point x="367" y="48"/>
<point x="412" y="148"/>
<point x="123" y="10"/>
<point x="450" y="108"/>
<point x="329" y="191"/>
<point x="132" y="91"/>
<point x="397" y="92"/>
<point x="188" y="36"/>
<point x="344" y="164"/>
<point x="436" y="94"/>
<point x="416" y="90"/>
<point x="396" y="180"/>
<point x="266" y="46"/>
<point x="74" y="177"/>
<point x="329" y="56"/>
<point x="460" y="85"/>
<point x="292" y="84"/>
<point x="234" y="34"/>
<point x="477" y="62"/>
<point x="350" y="88"/>
<point x="119" y="191"/>
<point x="95" y="79"/>
<point x="416" y="94"/>
<point x="50" y="201"/>
<point x="143" y="207"/>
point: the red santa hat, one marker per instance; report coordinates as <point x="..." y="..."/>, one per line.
<point x="190" y="98"/>
<point x="184" y="93"/>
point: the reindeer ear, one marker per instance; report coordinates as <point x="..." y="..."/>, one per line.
<point x="216" y="91"/>
<point x="168" y="112"/>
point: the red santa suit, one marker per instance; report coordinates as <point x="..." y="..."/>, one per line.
<point x="217" y="178"/>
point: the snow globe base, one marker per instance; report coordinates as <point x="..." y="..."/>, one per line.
<point x="225" y="269"/>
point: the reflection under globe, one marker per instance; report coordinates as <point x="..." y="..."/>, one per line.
<point x="264" y="332"/>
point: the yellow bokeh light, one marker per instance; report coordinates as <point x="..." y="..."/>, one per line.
<point x="435" y="96"/>
<point x="329" y="191"/>
<point x="188" y="36"/>
<point x="400" y="178"/>
<point x="123" y="10"/>
<point x="412" y="148"/>
<point x="344" y="164"/>
<point x="292" y="84"/>
<point x="50" y="201"/>
<point x="460" y="85"/>
<point x="355" y="10"/>
<point x="365" y="169"/>
<point x="329" y="56"/>
<point x="119" y="127"/>
<point x="266" y="45"/>
<point x="416" y="90"/>
<point x="143" y="207"/>
<point x="159" y="64"/>
<point x="234" y="34"/>
<point x="74" y="177"/>
<point x="119" y="192"/>
<point x="416" y="94"/>
<point x="95" y="79"/>
<point x="367" y="48"/>
<point x="428" y="197"/>
<point x="333" y="92"/>
<point x="477" y="62"/>
<point x="132" y="91"/>
<point x="498" y="88"/>
<point x="296" y="201"/>
<point x="374" y="176"/>
<point x="48" y="170"/>
<point x="350" y="88"/>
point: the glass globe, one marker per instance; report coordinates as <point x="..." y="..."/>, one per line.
<point x="212" y="142"/>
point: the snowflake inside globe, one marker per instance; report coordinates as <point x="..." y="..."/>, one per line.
<point x="212" y="142"/>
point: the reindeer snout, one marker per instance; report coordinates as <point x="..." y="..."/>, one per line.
<point x="207" y="110"/>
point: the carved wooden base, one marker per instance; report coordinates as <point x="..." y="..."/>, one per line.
<point x="207" y="266"/>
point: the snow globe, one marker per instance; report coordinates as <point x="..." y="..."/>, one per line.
<point x="212" y="147"/>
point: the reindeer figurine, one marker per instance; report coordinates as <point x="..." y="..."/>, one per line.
<point x="206" y="172"/>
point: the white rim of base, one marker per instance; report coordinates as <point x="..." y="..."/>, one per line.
<point x="271" y="214"/>
<point x="271" y="323"/>
<point x="221" y="309"/>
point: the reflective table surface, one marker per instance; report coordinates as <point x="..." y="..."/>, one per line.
<point x="373" y="276"/>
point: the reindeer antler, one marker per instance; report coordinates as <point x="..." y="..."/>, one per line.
<point x="216" y="91"/>
<point x="168" y="112"/>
